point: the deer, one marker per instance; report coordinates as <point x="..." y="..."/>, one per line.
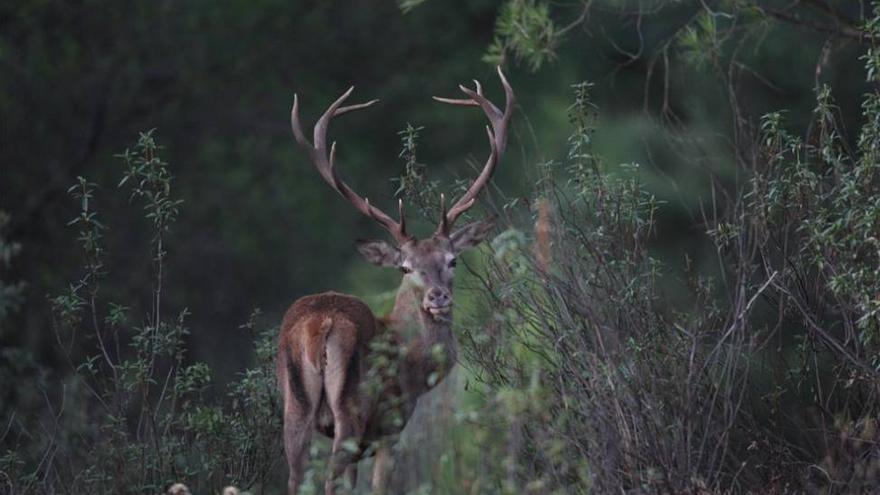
<point x="349" y="374"/>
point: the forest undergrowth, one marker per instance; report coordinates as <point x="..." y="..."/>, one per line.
<point x="583" y="373"/>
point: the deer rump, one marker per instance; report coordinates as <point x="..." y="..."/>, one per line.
<point x="324" y="339"/>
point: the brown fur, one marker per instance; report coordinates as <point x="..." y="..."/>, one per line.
<point x="309" y="321"/>
<point x="316" y="330"/>
<point x="324" y="349"/>
<point x="329" y="304"/>
<point x="321" y="341"/>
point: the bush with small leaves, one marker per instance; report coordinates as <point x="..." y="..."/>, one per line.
<point x="136" y="415"/>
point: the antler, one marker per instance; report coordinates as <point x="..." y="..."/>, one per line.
<point x="497" y="141"/>
<point x="327" y="168"/>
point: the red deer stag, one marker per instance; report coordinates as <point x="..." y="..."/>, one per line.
<point x="329" y="344"/>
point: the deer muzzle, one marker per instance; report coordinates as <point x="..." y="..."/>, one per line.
<point x="437" y="301"/>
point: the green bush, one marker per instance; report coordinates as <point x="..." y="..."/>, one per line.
<point x="766" y="383"/>
<point x="135" y="415"/>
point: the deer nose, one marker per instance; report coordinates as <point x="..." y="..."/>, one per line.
<point x="438" y="297"/>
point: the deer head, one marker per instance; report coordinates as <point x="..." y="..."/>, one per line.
<point x="426" y="263"/>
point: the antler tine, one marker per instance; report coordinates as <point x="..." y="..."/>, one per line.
<point x="497" y="141"/>
<point x="401" y="216"/>
<point x="444" y="227"/>
<point x="295" y="125"/>
<point x="320" y="131"/>
<point x="470" y="196"/>
<point x="327" y="165"/>
<point x="466" y="102"/>
<point x="351" y="108"/>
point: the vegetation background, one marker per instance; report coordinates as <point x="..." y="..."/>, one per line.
<point x="715" y="221"/>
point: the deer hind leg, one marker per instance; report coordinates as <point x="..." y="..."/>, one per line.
<point x="302" y="393"/>
<point x="341" y="380"/>
<point x="382" y="468"/>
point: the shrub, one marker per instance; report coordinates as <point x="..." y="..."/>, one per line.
<point x="604" y="385"/>
<point x="134" y="414"/>
<point x="606" y="388"/>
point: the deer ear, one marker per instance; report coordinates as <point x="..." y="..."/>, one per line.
<point x="471" y="234"/>
<point x="379" y="252"/>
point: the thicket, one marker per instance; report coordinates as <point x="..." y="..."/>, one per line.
<point x="766" y="382"/>
<point x="606" y="387"/>
<point x="133" y="415"/>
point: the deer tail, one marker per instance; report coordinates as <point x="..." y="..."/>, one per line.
<point x="316" y="343"/>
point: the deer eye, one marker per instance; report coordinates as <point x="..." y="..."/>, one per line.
<point x="405" y="269"/>
<point x="452" y="263"/>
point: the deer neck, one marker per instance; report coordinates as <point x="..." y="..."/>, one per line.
<point x="431" y="350"/>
